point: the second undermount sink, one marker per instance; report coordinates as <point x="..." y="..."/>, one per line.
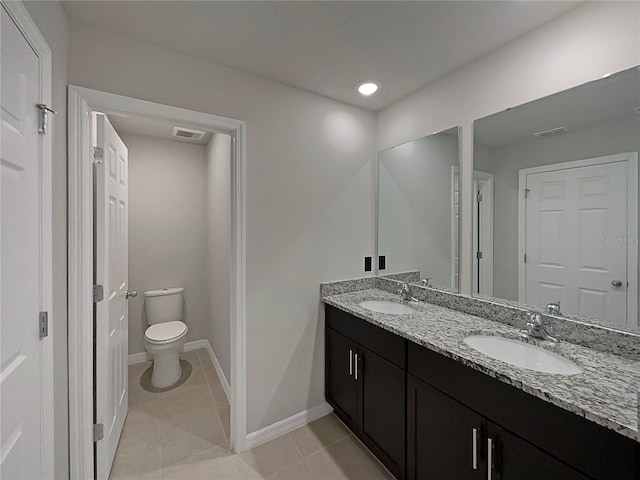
<point x="522" y="354"/>
<point x="386" y="306"/>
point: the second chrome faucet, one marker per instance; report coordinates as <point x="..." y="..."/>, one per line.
<point x="536" y="328"/>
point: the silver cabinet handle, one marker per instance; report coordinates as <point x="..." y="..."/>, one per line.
<point x="616" y="283"/>
<point x="356" y="355"/>
<point x="489" y="458"/>
<point x="474" y="461"/>
<point x="350" y="362"/>
<point x="131" y="293"/>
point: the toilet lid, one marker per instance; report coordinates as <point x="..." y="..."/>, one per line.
<point x="163" y="332"/>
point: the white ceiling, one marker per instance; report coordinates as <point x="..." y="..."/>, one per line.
<point x="152" y="127"/>
<point x="610" y="99"/>
<point x="328" y="47"/>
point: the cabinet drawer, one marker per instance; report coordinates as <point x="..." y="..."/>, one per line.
<point x="386" y="344"/>
<point x="599" y="453"/>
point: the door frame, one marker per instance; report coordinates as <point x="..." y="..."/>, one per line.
<point x="80" y="191"/>
<point x="631" y="159"/>
<point x="485" y="245"/>
<point x="20" y="16"/>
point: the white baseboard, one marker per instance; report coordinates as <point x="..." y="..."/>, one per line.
<point x="287" y="425"/>
<point x="139" y="358"/>
<point x="188" y="347"/>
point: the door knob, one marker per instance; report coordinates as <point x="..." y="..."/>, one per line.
<point x="131" y="293"/>
<point x="616" y="283"/>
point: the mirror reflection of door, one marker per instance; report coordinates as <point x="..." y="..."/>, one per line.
<point x="575" y="237"/>
<point x="575" y="155"/>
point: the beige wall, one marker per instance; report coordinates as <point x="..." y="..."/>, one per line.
<point x="167" y="229"/>
<point x="219" y="248"/>
<point x="52" y="23"/>
<point x="589" y="41"/>
<point x="309" y="200"/>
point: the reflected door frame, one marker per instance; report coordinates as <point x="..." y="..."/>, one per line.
<point x="631" y="159"/>
<point x="482" y="237"/>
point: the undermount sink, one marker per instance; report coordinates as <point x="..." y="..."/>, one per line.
<point x="522" y="354"/>
<point x="386" y="306"/>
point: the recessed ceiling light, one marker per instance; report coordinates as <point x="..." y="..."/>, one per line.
<point x="367" y="88"/>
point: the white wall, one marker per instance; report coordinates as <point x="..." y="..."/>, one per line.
<point x="582" y="45"/>
<point x="309" y="200"/>
<point x="219" y="248"/>
<point x="414" y="226"/>
<point x="52" y="23"/>
<point x="167" y="229"/>
<point x="595" y="141"/>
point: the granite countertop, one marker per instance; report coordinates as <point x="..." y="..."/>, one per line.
<point x="606" y="392"/>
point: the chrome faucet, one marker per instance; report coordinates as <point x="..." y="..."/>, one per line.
<point x="535" y="328"/>
<point x="405" y="291"/>
<point x="425" y="281"/>
<point x="553" y="308"/>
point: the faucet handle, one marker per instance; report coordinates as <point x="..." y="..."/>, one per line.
<point x="425" y="281"/>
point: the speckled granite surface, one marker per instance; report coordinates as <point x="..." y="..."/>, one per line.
<point x="598" y="337"/>
<point x="606" y="392"/>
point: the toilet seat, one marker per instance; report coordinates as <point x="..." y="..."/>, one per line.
<point x="165" y="332"/>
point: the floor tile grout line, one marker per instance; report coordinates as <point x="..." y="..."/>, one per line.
<point x="329" y="445"/>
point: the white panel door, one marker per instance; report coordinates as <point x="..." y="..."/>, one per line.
<point x="111" y="243"/>
<point x="21" y="259"/>
<point x="576" y="223"/>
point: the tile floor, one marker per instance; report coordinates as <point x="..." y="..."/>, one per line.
<point x="183" y="433"/>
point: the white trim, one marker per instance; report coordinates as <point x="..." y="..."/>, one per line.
<point x="632" y="248"/>
<point x="80" y="294"/>
<point x="455" y="228"/>
<point x="631" y="158"/>
<point x="486" y="235"/>
<point x="80" y="191"/>
<point x="142" y="357"/>
<point x="23" y="21"/>
<point x="287" y="425"/>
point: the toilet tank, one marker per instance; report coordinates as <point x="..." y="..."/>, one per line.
<point x="163" y="305"/>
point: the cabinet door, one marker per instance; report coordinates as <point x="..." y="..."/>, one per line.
<point x="444" y="438"/>
<point x="515" y="459"/>
<point x="382" y="420"/>
<point x="341" y="386"/>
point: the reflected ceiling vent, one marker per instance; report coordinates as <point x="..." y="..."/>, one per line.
<point x="188" y="133"/>
<point x="551" y="133"/>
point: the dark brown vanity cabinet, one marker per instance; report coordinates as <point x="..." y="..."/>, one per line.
<point x="428" y="417"/>
<point x="447" y="440"/>
<point x="367" y="389"/>
<point x="521" y="436"/>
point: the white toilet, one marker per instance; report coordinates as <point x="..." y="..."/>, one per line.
<point x="165" y="336"/>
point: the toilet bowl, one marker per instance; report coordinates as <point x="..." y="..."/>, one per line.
<point x="165" y="336"/>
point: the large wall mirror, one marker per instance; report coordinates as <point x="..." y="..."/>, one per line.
<point x="418" y="210"/>
<point x="556" y="202"/>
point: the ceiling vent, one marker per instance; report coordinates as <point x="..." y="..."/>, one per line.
<point x="183" y="132"/>
<point x="552" y="133"/>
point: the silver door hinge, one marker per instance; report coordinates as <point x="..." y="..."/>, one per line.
<point x="98" y="155"/>
<point x="43" y="119"/>
<point x="479" y="197"/>
<point x="526" y="192"/>
<point x="98" y="293"/>
<point x="479" y="255"/>
<point x="43" y="322"/>
<point x="98" y="432"/>
<point x="525" y="258"/>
